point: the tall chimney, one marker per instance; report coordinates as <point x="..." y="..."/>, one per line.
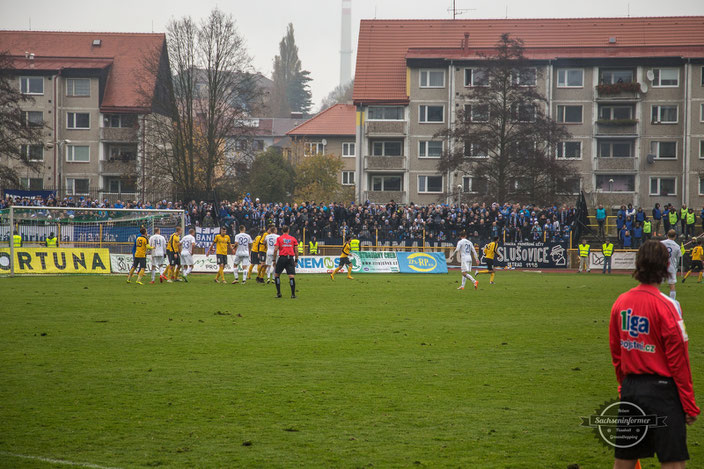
<point x="346" y="43"/>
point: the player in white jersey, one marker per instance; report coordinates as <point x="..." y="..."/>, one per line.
<point x="467" y="252"/>
<point x="187" y="243"/>
<point x="270" y="241"/>
<point x="242" y="245"/>
<point x="158" y="253"/>
<point x="675" y="253"/>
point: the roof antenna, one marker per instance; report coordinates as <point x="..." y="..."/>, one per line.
<point x="629" y="9"/>
<point x="506" y="11"/>
<point x="30" y="23"/>
<point x="152" y="25"/>
<point x="458" y="11"/>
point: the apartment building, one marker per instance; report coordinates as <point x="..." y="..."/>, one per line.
<point x="629" y="90"/>
<point x="91" y="93"/>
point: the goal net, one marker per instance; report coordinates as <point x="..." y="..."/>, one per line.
<point x="75" y="240"/>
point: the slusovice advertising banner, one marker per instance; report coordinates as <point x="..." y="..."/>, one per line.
<point x="531" y="255"/>
<point x="422" y="262"/>
<point x="56" y="261"/>
<point x="374" y="262"/>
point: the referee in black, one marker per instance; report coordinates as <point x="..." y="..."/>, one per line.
<point x="285" y="247"/>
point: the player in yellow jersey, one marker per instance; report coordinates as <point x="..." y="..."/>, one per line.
<point x="697" y="255"/>
<point x="344" y="261"/>
<point x="489" y="254"/>
<point x="173" y="253"/>
<point x="222" y="245"/>
<point x="255" y="252"/>
<point x="261" y="269"/>
<point x="140" y="256"/>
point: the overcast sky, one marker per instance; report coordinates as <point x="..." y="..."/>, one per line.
<point x="316" y="22"/>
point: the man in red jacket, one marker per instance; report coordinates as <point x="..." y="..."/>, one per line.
<point x="649" y="350"/>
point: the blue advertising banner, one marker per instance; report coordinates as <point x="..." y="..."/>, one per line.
<point x="422" y="262"/>
<point x="111" y="234"/>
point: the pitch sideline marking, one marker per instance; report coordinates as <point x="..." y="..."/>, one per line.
<point x="57" y="461"/>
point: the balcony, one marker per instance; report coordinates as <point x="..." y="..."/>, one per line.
<point x="617" y="128"/>
<point x="383" y="197"/>
<point x="618" y="92"/>
<point x="117" y="134"/>
<point x="380" y="163"/>
<point x="117" y="166"/>
<point x="385" y="128"/>
<point x="615" y="164"/>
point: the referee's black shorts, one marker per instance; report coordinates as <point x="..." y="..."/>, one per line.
<point x="656" y="395"/>
<point x="287" y="263"/>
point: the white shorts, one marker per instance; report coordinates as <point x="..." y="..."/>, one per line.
<point x="466" y="265"/>
<point x="270" y="259"/>
<point x="158" y="261"/>
<point x="242" y="260"/>
<point x="186" y="259"/>
<point x="671" y="276"/>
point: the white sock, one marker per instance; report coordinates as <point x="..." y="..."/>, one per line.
<point x="153" y="273"/>
<point x="464" y="280"/>
<point x="673" y="294"/>
<point x="236" y="272"/>
<point x="469" y="276"/>
<point x="161" y="270"/>
<point x="269" y="271"/>
<point x="187" y="271"/>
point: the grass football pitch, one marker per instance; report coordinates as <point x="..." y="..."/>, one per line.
<point x="380" y="371"/>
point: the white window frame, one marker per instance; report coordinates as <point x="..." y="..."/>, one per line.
<point x="402" y="119"/>
<point x="425" y="73"/>
<point x="74" y="121"/>
<point x="72" y="185"/>
<point x="383" y="146"/>
<point x="658" y="120"/>
<point x="471" y="114"/>
<point x="701" y="185"/>
<point x="468" y="185"/>
<point x="71" y="88"/>
<point x="348" y="178"/>
<point x="426" y="176"/>
<point x="27" y="79"/>
<point x="659" y="180"/>
<point x="471" y="83"/>
<point x="701" y="112"/>
<point x="701" y="148"/>
<point x="616" y="69"/>
<point x="26" y="183"/>
<point x="28" y="122"/>
<point x="423" y="148"/>
<point x="564" y="83"/>
<point x="579" y="185"/>
<point x="25" y="150"/>
<point x="472" y="151"/>
<point x="310" y="146"/>
<point x="612" y="143"/>
<point x="423" y="113"/>
<point x="383" y="176"/>
<point x="71" y="154"/>
<point x="596" y="187"/>
<point x="658" y="71"/>
<point x="563" y="146"/>
<point x="517" y="77"/>
<point x="611" y="108"/>
<point x="657" y="151"/>
<point x="561" y="115"/>
<point x="346" y="149"/>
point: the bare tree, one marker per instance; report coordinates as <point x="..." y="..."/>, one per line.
<point x="503" y="137"/>
<point x="18" y="134"/>
<point x="342" y="94"/>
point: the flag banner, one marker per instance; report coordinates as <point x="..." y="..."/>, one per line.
<point x="205" y="236"/>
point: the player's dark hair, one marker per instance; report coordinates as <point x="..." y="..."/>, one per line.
<point x="463" y="234"/>
<point x="143" y="230"/>
<point x="243" y="228"/>
<point x="651" y="262"/>
<point x="672" y="234"/>
<point x="284" y="229"/>
<point x="496" y="238"/>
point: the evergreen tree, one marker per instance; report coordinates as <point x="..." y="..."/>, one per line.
<point x="291" y="88"/>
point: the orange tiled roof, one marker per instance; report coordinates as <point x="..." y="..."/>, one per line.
<point x="380" y="74"/>
<point x="121" y="53"/>
<point x="336" y="120"/>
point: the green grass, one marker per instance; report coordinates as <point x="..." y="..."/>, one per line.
<point x="382" y="371"/>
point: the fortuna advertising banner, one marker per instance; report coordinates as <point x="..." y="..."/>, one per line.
<point x="619" y="260"/>
<point x="56" y="261"/>
<point x="374" y="262"/>
<point x="531" y="255"/>
<point x="422" y="262"/>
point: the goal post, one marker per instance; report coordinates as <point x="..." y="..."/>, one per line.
<point x="63" y="240"/>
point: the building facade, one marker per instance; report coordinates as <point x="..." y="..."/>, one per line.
<point x="90" y="92"/>
<point x="630" y="91"/>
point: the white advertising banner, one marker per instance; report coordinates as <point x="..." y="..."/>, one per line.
<point x="121" y="263"/>
<point x="619" y="260"/>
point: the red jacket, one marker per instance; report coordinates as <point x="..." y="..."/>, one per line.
<point x="647" y="336"/>
<point x="287" y="245"/>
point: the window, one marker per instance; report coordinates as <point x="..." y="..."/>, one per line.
<point x="431" y="113"/>
<point x="701" y="186"/>
<point x="701" y="148"/>
<point x="569" y="114"/>
<point x="430" y="149"/>
<point x="477" y="112"/>
<point x="32" y="152"/>
<point x="474" y="185"/>
<point x="432" y="78"/>
<point x="611" y="76"/>
<point x="78" y="87"/>
<point x="122" y="152"/>
<point x="120" y="120"/>
<point x="525" y="113"/>
<point x="666" y="77"/>
<point x="314" y="148"/>
<point x="701" y="112"/>
<point x="427" y="184"/>
<point x="615" y="149"/>
<point x="385" y="113"/>
<point x="570" y="78"/>
<point x="78" y="153"/>
<point x="521" y="183"/>
<point x="77" y="186"/>
<point x="34" y="118"/>
<point x="77" y="120"/>
<point x="526" y="77"/>
<point x="475" y="150"/>
<point x="348" y="149"/>
<point x="32" y="85"/>
<point x="386" y="183"/>
<point x="616" y="182"/>
<point x="570" y="185"/>
<point x="32" y="184"/>
<point x="664" y="150"/>
<point x="663" y="114"/>
<point x="569" y="150"/>
<point x="610" y="113"/>
<point x="387" y="148"/>
<point x="348" y="178"/>
<point x="476" y="77"/>
<point x="663" y="186"/>
<point x="116" y="185"/>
